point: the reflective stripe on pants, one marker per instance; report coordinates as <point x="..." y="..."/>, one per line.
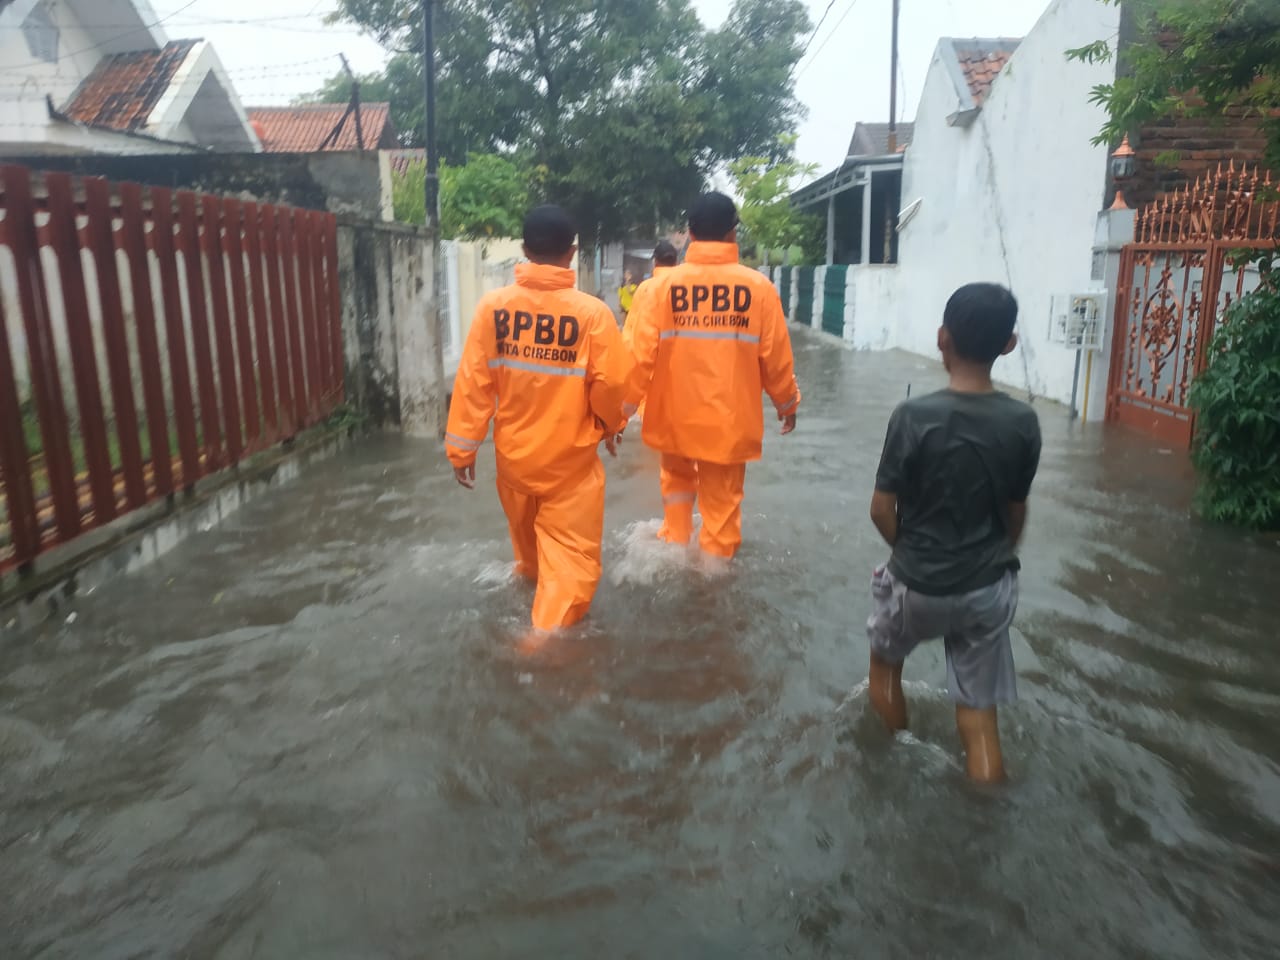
<point x="556" y="539"/>
<point x="717" y="488"/>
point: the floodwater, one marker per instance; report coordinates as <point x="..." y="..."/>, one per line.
<point x="307" y="734"/>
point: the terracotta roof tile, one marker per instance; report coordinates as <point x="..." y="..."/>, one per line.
<point x="124" y="88"/>
<point x="981" y="65"/>
<point x="302" y="129"/>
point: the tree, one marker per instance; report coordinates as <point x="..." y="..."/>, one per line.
<point x="764" y="187"/>
<point x="487" y="196"/>
<point x="1237" y="446"/>
<point x="626" y="106"/>
<point x="1191" y="57"/>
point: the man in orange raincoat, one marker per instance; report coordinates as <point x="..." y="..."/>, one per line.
<point x="547" y="364"/>
<point x="715" y="340"/>
<point x="665" y="257"/>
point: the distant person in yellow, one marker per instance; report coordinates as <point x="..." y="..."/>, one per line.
<point x="627" y="294"/>
<point x="645" y="301"/>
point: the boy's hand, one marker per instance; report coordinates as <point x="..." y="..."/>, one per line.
<point x="466" y="476"/>
<point x="788" y="423"/>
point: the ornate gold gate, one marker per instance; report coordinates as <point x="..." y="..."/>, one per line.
<point x="1176" y="281"/>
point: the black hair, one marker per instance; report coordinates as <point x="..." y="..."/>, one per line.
<point x="665" y="254"/>
<point x="980" y="318"/>
<point x="549" y="231"/>
<point x="712" y="216"/>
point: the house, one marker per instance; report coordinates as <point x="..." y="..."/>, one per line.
<point x="1002" y="182"/>
<point x="101" y="76"/>
<point x="313" y="127"/>
<point x="860" y="198"/>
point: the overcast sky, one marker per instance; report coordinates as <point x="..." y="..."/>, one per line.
<point x="282" y="48"/>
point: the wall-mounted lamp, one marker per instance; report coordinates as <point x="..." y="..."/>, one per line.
<point x="1124" y="164"/>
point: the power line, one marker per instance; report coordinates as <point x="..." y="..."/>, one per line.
<point x="822" y="46"/>
<point x="821" y="20"/>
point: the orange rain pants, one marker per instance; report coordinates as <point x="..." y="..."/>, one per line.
<point x="717" y="488"/>
<point x="556" y="539"/>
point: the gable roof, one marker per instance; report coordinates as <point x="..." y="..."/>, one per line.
<point x="872" y="139"/>
<point x="304" y="128"/>
<point x="974" y="65"/>
<point x="123" y="89"/>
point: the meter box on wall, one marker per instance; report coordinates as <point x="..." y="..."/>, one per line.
<point x="1076" y="320"/>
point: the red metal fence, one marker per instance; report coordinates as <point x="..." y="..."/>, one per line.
<point x="1176" y="283"/>
<point x="149" y="338"/>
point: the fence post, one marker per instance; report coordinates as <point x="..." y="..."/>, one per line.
<point x="233" y="248"/>
<point x="65" y="241"/>
<point x="265" y="367"/>
<point x="46" y="386"/>
<point x="189" y="246"/>
<point x="184" y="408"/>
<point x="101" y="236"/>
<point x="133" y="240"/>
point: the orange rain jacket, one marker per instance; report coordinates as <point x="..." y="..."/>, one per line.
<point x="547" y="364"/>
<point x="715" y="339"/>
<point x="643" y="302"/>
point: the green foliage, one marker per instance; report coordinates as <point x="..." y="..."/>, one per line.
<point x="408" y="194"/>
<point x="1237" y="404"/>
<point x="1225" y="51"/>
<point x="626" y="107"/>
<point x="769" y="221"/>
<point x="487" y="196"/>
<point x="347" y="418"/>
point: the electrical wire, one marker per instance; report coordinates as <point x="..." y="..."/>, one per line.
<point x="822" y="46"/>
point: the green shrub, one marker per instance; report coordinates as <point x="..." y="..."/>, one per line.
<point x="1237" y="404"/>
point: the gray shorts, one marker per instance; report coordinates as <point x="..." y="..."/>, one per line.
<point x="973" y="626"/>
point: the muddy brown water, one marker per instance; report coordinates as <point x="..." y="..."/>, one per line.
<point x="306" y="733"/>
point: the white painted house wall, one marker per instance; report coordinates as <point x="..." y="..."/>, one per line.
<point x="1013" y="199"/>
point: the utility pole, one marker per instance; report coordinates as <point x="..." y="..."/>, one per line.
<point x="893" y="84"/>
<point x="437" y="314"/>
<point x="890" y="215"/>
<point x="432" y="184"/>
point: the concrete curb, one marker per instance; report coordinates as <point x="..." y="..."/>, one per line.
<point x="144" y="536"/>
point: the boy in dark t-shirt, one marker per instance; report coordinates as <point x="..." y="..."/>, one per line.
<point x="951" y="499"/>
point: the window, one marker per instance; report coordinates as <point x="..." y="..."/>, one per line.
<point x="41" y="34"/>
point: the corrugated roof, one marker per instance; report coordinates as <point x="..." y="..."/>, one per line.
<point x="981" y="62"/>
<point x="872" y="139"/>
<point x="302" y="129"/>
<point x="124" y="88"/>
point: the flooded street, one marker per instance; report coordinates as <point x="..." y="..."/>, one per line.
<point x="307" y="734"/>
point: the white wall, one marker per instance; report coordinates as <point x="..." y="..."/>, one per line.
<point x="25" y="80"/>
<point x="870" y="310"/>
<point x="1013" y="199"/>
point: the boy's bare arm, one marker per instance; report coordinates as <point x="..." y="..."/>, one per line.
<point x="884" y="514"/>
<point x="1017" y="521"/>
